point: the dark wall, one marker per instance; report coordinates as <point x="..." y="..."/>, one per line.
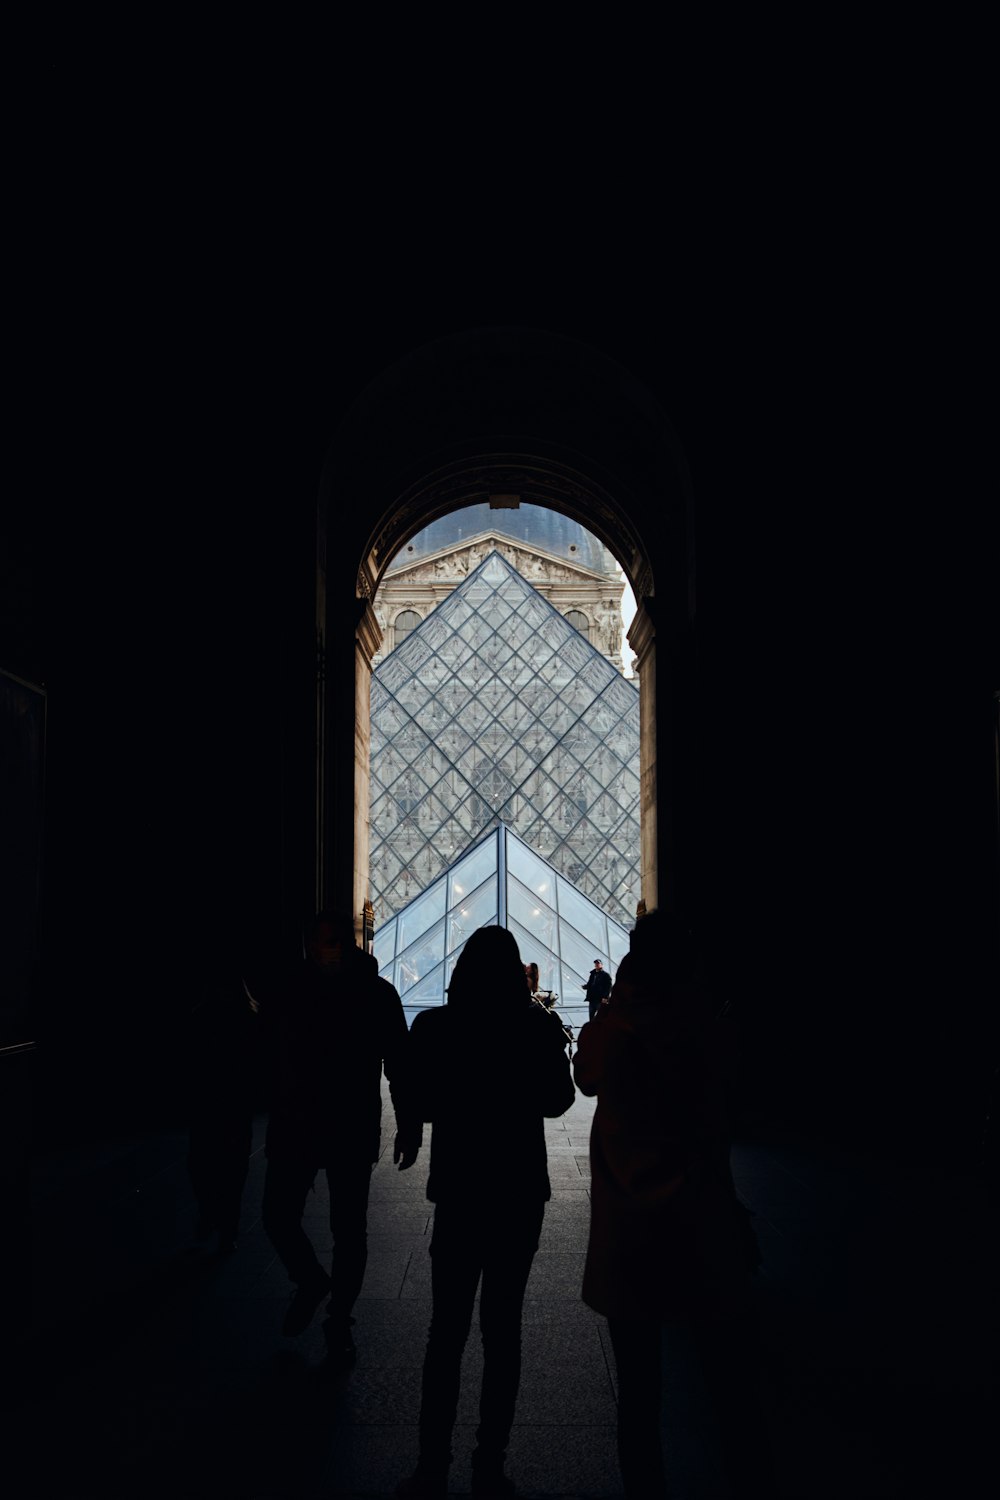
<point x="158" y="582"/>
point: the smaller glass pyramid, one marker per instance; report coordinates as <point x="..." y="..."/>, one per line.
<point x="499" y="881"/>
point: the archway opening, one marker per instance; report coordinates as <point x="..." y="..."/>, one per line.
<point x="504" y="742"/>
<point x="436" y="434"/>
<point x="599" y="803"/>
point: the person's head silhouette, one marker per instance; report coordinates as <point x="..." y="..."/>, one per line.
<point x="489" y="971"/>
<point x="661" y="943"/>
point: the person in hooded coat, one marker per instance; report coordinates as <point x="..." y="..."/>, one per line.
<point x="668" y="1246"/>
<point x="487" y="1069"/>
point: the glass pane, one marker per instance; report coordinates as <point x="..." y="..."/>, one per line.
<point x="494" y="788"/>
<point x="519" y="671"/>
<point x="473" y="870"/>
<point x="537" y="740"/>
<point x="540" y="789"/>
<point x="475" y="717"/>
<point x="412" y="695"/>
<point x="583" y="742"/>
<point x="422" y="914"/>
<point x="544" y="838"/>
<point x="428" y="864"/>
<point x="453" y="652"/>
<point x="411" y="742"/>
<point x="453" y="740"/>
<point x="428" y="990"/>
<point x="516" y="764"/>
<point x="492" y="569"/>
<point x="430" y="816"/>
<point x="477" y="910"/>
<point x="407" y="790"/>
<point x="576" y="696"/>
<point x="419" y="958"/>
<point x="434" y="673"/>
<point x="621" y="695"/>
<point x="536" y="697"/>
<point x="577" y="952"/>
<point x="385" y="864"/>
<point x="405" y="839"/>
<point x="397" y="894"/>
<point x="455" y="610"/>
<point x="384" y="945"/>
<point x="471" y="670"/>
<point x="559" y="718"/>
<point x="582" y="914"/>
<point x="471" y="814"/>
<point x="576" y="653"/>
<point x="531" y="871"/>
<point x="520" y="816"/>
<point x="452" y="789"/>
<point x="385" y="814"/>
<point x="452" y="839"/>
<point x="432" y="634"/>
<point x="518" y="632"/>
<point x="548" y="968"/>
<point x="495" y="697"/>
<point x="390" y="717"/>
<point x="415" y="650"/>
<point x="572" y="1000"/>
<point x="618" y="940"/>
<point x="477" y="632"/>
<point x="532" y="950"/>
<point x="495" y="653"/>
<point x="531" y="912"/>
<point x="540" y="615"/>
<point x="391" y="675"/>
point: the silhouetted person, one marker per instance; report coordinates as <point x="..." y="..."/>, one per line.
<point x="489" y="1066"/>
<point x="668" y="1243"/>
<point x="330" y="1030"/>
<point x="598" y="987"/>
<point x="531" y="977"/>
<point x="222" y="1059"/>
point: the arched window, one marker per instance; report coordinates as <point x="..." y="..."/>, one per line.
<point x="579" y="621"/>
<point x="405" y="621"/>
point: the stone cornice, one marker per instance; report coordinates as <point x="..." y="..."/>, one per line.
<point x="503" y="544"/>
<point x="368" y="631"/>
<point x="641" y="634"/>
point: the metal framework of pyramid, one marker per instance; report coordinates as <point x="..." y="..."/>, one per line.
<point x="497" y="709"/>
<point x="499" y="881"/>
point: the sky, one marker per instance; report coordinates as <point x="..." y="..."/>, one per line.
<point x="628" y="614"/>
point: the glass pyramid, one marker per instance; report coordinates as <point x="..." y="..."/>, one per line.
<point x="496" y="708"/>
<point x="499" y="880"/>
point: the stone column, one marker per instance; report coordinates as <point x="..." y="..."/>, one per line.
<point x="368" y="641"/>
<point x="642" y="639"/>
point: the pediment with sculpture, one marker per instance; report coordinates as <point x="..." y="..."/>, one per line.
<point x="454" y="563"/>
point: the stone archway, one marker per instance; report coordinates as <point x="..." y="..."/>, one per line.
<point x="509" y="479"/>
<point x="601" y="452"/>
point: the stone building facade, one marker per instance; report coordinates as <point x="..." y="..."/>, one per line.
<point x="559" y="558"/>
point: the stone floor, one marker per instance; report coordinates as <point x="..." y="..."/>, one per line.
<point x="154" y="1368"/>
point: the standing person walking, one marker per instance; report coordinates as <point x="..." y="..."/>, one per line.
<point x="328" y="1032"/>
<point x="668" y="1252"/>
<point x="598" y="987"/>
<point x="488" y="1068"/>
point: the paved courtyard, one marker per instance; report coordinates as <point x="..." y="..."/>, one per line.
<point x="153" y="1368"/>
